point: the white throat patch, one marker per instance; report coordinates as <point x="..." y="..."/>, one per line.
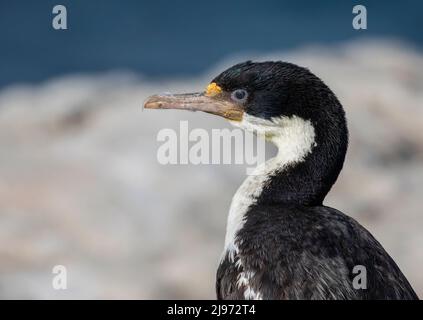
<point x="294" y="138"/>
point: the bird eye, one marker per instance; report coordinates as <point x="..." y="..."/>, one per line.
<point x="239" y="95"/>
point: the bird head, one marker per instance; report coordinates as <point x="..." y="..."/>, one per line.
<point x="278" y="100"/>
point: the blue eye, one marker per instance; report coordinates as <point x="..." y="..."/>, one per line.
<point x="239" y="95"/>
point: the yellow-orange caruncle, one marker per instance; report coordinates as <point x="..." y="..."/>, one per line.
<point x="213" y="89"/>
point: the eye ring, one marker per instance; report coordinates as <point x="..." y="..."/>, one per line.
<point x="239" y="95"/>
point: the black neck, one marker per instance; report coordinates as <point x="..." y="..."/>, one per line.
<point x="308" y="182"/>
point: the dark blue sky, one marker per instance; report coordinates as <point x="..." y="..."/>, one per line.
<point x="162" y="38"/>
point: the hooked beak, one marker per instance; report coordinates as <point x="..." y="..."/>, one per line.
<point x="220" y="106"/>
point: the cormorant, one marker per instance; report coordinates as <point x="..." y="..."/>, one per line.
<point x="281" y="241"/>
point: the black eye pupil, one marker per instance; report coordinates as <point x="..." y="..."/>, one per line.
<point x="240" y="94"/>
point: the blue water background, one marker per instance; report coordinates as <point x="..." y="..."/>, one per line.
<point x="173" y="38"/>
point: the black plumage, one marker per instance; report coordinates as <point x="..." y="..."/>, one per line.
<point x="302" y="252"/>
<point x="292" y="245"/>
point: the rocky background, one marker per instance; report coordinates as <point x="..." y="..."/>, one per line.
<point x="80" y="184"/>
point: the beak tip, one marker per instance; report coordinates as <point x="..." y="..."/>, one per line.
<point x="152" y="103"/>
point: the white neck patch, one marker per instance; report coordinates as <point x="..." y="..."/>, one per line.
<point x="294" y="138"/>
